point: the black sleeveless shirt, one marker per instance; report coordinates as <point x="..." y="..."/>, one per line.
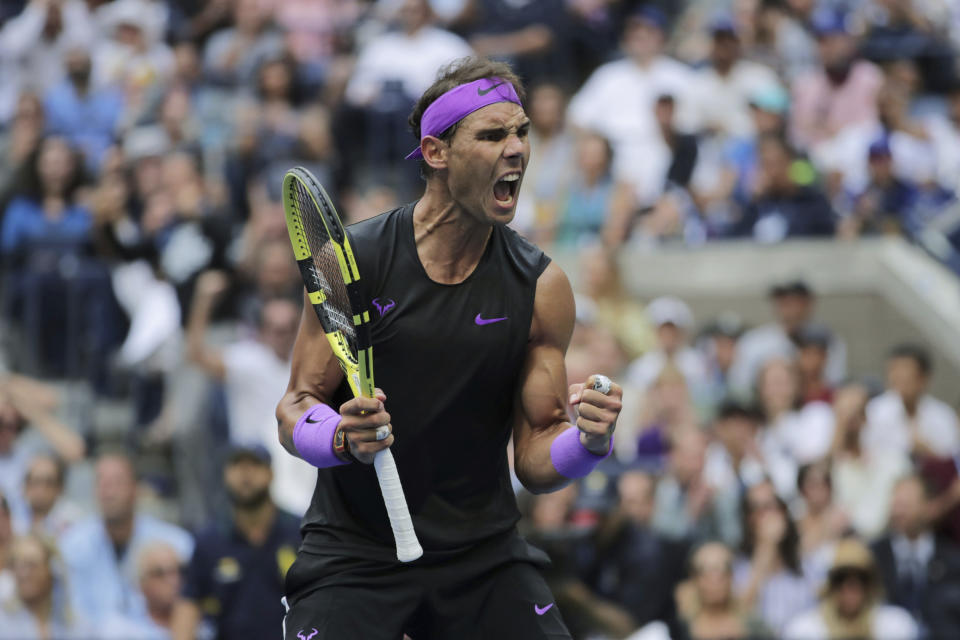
<point x="449" y="359"/>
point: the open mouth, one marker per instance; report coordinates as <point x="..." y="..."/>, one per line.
<point x="505" y="189"/>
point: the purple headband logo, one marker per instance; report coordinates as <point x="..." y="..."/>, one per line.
<point x="459" y="102"/>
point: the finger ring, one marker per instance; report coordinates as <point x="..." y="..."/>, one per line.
<point x="383" y="432"/>
<point x="601" y="383"/>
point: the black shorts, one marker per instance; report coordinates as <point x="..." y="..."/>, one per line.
<point x="469" y="597"/>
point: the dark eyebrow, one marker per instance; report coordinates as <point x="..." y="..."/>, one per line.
<point x="502" y="130"/>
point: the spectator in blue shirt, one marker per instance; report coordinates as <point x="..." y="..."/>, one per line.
<point x="87" y="116"/>
<point x="101" y="552"/>
<point x="236" y="575"/>
<point x="47" y="210"/>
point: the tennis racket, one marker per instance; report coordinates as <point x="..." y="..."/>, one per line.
<point x="330" y="275"/>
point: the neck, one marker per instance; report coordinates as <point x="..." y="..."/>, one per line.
<point x="254" y="522"/>
<point x="910" y="405"/>
<point x="161" y="614"/>
<point x="120" y="530"/>
<point x="715" y="609"/>
<point x="450" y="242"/>
<point x="41" y="608"/>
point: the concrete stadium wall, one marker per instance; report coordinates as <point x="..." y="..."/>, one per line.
<point x="874" y="292"/>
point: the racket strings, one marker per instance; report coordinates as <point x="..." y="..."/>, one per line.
<point x="327" y="268"/>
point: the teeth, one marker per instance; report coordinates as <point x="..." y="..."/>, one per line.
<point x="513" y="177"/>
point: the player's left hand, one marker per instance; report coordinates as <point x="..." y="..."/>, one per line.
<point x="597" y="414"/>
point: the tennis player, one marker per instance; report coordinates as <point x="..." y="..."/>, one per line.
<point x="470" y="323"/>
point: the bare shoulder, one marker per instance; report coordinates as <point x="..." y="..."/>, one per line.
<point x="554" y="310"/>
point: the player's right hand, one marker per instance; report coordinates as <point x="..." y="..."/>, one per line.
<point x="359" y="420"/>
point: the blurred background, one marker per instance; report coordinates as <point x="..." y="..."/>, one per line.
<point x="756" y="202"/>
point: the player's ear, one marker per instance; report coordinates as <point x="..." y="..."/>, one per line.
<point x="434" y="152"/>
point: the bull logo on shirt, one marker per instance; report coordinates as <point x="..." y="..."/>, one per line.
<point x="313" y="632"/>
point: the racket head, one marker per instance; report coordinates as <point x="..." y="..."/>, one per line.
<point x="329" y="271"/>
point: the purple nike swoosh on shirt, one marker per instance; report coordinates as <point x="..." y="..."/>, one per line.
<point x="482" y="321"/>
<point x="542" y="610"/>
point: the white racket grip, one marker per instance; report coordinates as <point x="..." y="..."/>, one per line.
<point x="408" y="547"/>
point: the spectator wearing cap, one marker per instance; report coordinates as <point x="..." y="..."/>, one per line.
<point x="886" y="199"/>
<point x="813" y="347"/>
<point x="920" y="571"/>
<point x="786" y="202"/>
<point x="842" y="92"/>
<point x="132" y="55"/>
<point x="862" y="478"/>
<point x="236" y="575"/>
<point x="673" y="322"/>
<point x="33" y="44"/>
<point x="723" y="88"/>
<point x="718" y="343"/>
<point x="850" y="603"/>
<point x="159" y="574"/>
<point x="793" y="305"/>
<point x="103" y="549"/>
<point x="906" y="418"/>
<point x="617" y="101"/>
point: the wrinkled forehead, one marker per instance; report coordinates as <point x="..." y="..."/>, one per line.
<point x="499" y="115"/>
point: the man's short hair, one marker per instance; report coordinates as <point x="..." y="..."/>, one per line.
<point x="732" y="408"/>
<point x="458" y="72"/>
<point x="916" y="352"/>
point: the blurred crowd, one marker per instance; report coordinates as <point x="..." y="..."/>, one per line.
<point x="757" y="490"/>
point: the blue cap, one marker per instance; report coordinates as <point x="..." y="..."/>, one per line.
<point x="651" y="14"/>
<point x="827" y="22"/>
<point x="880" y="148"/>
<point x="723" y="23"/>
<point x="248" y="451"/>
<point x="772" y="99"/>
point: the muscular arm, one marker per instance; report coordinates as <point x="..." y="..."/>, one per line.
<point x="542" y="405"/>
<point x="315" y="375"/>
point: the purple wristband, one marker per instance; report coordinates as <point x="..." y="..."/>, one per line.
<point x="313" y="436"/>
<point x="570" y="458"/>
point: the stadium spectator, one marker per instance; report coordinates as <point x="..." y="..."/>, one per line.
<point x="733" y="460"/>
<point x="32" y="45"/>
<point x="18" y="143"/>
<point x="944" y="133"/>
<point x="919" y="570"/>
<point x="862" y="478"/>
<point x="850" y="603"/>
<point x="28" y="423"/>
<point x="589" y="194"/>
<point x="51" y="513"/>
<point x="768" y="575"/>
<point x="687" y="507"/>
<point x="618" y="99"/>
<point x="159" y="576"/>
<point x="237" y="571"/>
<point x="786" y="203"/>
<point x="7" y="583"/>
<point x="673" y="322"/>
<point x="822" y="522"/>
<point x="710" y="609"/>
<point x="666" y="410"/>
<point x="549" y="170"/>
<point x="724" y="88"/>
<point x="718" y="343"/>
<point x="813" y="349"/>
<point x="906" y="418"/>
<point x="102" y="550"/>
<point x="792" y="434"/>
<point x="232" y="56"/>
<point x="841" y="93"/>
<point x="885" y="201"/>
<point x="793" y="305"/>
<point x="253" y="371"/>
<point x="635" y="566"/>
<point x="39" y="607"/>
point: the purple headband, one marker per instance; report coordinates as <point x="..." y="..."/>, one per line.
<point x="459" y="102"/>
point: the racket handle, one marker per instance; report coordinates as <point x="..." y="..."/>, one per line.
<point x="408" y="547"/>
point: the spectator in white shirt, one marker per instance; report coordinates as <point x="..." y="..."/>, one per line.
<point x="850" y="603"/>
<point x="409" y="56"/>
<point x="733" y="461"/>
<point x="906" y="418"/>
<point x="673" y="322"/>
<point x="51" y="513"/>
<point x="793" y="308"/>
<point x="724" y="88"/>
<point x="618" y="101"/>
